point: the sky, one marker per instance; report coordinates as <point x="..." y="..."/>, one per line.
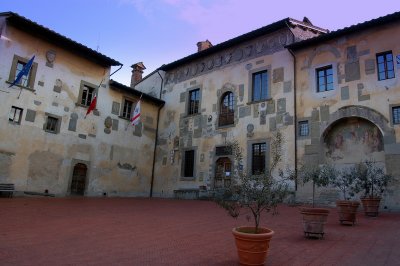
<point x="158" y="32"/>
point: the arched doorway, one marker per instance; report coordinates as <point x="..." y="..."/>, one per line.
<point x="223" y="170"/>
<point x="78" y="182"/>
<point x="353" y="140"/>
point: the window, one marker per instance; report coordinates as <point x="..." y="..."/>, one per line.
<point x="52" y="124"/>
<point x="194" y="101"/>
<point x="15" y="115"/>
<point x="396" y="115"/>
<point x="87" y="95"/>
<point x="385" y="65"/>
<point x="18" y="63"/>
<point x="324" y="79"/>
<point x="127" y="109"/>
<point x="303" y="128"/>
<point x="188" y="169"/>
<point x="226" y="115"/>
<point x="260" y="86"/>
<point x="258" y="158"/>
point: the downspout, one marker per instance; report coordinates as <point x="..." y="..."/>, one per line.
<point x="156" y="139"/>
<point x="295" y="109"/>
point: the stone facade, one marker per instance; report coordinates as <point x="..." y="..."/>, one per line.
<point x="101" y="149"/>
<point x="353" y="121"/>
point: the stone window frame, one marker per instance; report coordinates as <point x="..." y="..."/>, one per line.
<point x="251" y="73"/>
<point x="391" y="108"/>
<point x="183" y="152"/>
<point x="385" y="70"/>
<point x="187" y="101"/>
<point x="82" y="86"/>
<point x="219" y="106"/>
<point x="13" y="111"/>
<point x="57" y="126"/>
<point x="31" y="76"/>
<point x="300" y="131"/>
<point x="124" y="99"/>
<point x="325" y="76"/>
<point x="313" y="79"/>
<point x="250" y="153"/>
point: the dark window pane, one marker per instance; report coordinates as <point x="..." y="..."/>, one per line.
<point x="385" y="66"/>
<point x="389" y="57"/>
<point x="329" y="87"/>
<point x="189" y="164"/>
<point x="258" y="158"/>
<point x="382" y="76"/>
<point x="380" y="59"/>
<point x="194" y="101"/>
<point x="260" y="86"/>
<point x="396" y="115"/>
<point x="329" y="71"/>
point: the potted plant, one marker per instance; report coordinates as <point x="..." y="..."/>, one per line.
<point x="255" y="194"/>
<point x="314" y="219"/>
<point x="372" y="182"/>
<point x="345" y="182"/>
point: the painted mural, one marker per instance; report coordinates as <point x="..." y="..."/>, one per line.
<point x="354" y="140"/>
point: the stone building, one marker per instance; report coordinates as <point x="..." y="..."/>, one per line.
<point x="46" y="143"/>
<point x="347" y="91"/>
<point x="240" y="89"/>
<point x="334" y="95"/>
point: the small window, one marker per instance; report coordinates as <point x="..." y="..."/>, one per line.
<point x="396" y="115"/>
<point x="51" y="124"/>
<point x="127" y="109"/>
<point x="194" y="101"/>
<point x="324" y="79"/>
<point x="258" y="158"/>
<point x="385" y="65"/>
<point x="18" y="64"/>
<point x="15" y="115"/>
<point x="303" y="128"/>
<point x="188" y="170"/>
<point x="260" y="86"/>
<point x="87" y="95"/>
<point x="226" y="115"/>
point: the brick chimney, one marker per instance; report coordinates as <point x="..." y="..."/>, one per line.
<point x="201" y="46"/>
<point x="137" y="71"/>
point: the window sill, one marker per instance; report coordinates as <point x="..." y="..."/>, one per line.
<point x="260" y="101"/>
<point x="124" y="118"/>
<point x="52" y="132"/>
<point x="22" y="87"/>
<point x="187" y="179"/>
<point x="192" y="115"/>
<point x="226" y="126"/>
<point x="14" y="123"/>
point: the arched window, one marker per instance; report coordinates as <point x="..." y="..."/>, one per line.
<point x="226" y="114"/>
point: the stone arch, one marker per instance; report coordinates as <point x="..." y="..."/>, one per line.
<point x="323" y="48"/>
<point x="363" y="112"/>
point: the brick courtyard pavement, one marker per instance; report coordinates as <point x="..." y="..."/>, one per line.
<point x="121" y="231"/>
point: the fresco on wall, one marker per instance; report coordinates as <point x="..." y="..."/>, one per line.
<point x="354" y="140"/>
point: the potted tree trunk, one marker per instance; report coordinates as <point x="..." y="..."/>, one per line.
<point x="254" y="194"/>
<point x="314" y="218"/>
<point x="371" y="182"/>
<point x="345" y="182"/>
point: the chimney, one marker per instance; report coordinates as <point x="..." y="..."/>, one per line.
<point x="201" y="46"/>
<point x="137" y="71"/>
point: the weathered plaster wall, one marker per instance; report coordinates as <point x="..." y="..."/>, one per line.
<point x="253" y="121"/>
<point x="36" y="160"/>
<point x="357" y="93"/>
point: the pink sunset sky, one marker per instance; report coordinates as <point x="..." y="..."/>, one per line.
<point x="158" y="32"/>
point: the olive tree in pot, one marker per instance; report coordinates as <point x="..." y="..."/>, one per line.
<point x="345" y="182"/>
<point x="254" y="194"/>
<point x="314" y="219"/>
<point x="371" y="182"/>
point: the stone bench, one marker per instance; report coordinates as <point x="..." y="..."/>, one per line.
<point x="186" y="193"/>
<point x="7" y="189"/>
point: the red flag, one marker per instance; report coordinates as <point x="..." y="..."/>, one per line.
<point x="92" y="105"/>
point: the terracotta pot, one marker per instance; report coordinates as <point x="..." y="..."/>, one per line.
<point x="371" y="206"/>
<point x="252" y="248"/>
<point x="314" y="220"/>
<point x="347" y="211"/>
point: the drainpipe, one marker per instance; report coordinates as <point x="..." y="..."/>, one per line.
<point x="295" y="109"/>
<point x="156" y="140"/>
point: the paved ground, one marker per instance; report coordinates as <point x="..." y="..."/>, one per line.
<point x="120" y="231"/>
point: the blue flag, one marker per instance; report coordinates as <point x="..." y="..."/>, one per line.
<point x="23" y="72"/>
